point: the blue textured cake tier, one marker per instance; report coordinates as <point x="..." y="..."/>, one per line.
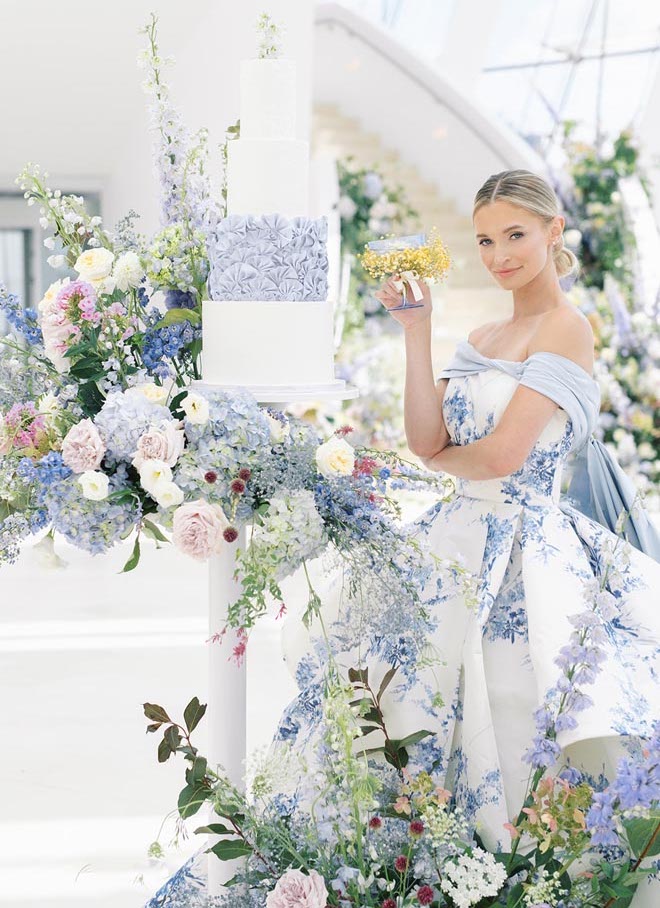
<point x="268" y="258"/>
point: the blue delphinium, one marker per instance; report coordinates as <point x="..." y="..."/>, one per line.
<point x="162" y="345"/>
<point x="123" y="418"/>
<point x="23" y="321"/>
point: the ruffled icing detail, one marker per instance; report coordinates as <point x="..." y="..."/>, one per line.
<point x="268" y="258"/>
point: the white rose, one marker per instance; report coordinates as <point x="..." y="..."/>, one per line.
<point x="154" y="473"/>
<point x="335" y="457"/>
<point x="50" y="295"/>
<point x="167" y="494"/>
<point x="94" y="264"/>
<point x="572" y="238"/>
<point x="94" y="485"/>
<point x="103" y="285"/>
<point x="157" y="394"/>
<point x="278" y="430"/>
<point x="646" y="451"/>
<point x="196" y="408"/>
<point x="128" y="271"/>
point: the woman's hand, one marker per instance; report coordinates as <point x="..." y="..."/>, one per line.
<point x="389" y="296"/>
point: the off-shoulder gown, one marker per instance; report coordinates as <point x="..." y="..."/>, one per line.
<point x="535" y="556"/>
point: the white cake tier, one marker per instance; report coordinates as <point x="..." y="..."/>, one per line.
<point x="268" y="99"/>
<point x="265" y="176"/>
<point x="263" y="342"/>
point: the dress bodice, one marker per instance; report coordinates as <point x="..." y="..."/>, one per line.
<point x="473" y="405"/>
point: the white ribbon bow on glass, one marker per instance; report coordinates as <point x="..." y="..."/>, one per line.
<point x="411" y="277"/>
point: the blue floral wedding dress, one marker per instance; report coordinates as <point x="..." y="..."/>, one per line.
<point x="538" y="559"/>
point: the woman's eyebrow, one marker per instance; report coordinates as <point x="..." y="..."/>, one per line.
<point x="506" y="229"/>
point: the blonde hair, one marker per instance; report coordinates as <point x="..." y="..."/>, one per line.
<point x="529" y="191"/>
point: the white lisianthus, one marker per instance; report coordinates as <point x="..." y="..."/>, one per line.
<point x="49" y="242"/>
<point x="167" y="494"/>
<point x="94" y="264"/>
<point x="335" y="457"/>
<point x="196" y="408"/>
<point x="45" y="556"/>
<point x="153" y="473"/>
<point x="56" y="261"/>
<point x="94" y="485"/>
<point x="128" y="271"/>
<point x="278" y="430"/>
<point x="49" y="405"/>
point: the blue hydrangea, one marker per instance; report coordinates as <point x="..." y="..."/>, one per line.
<point x="123" y="418"/>
<point x="94" y="526"/>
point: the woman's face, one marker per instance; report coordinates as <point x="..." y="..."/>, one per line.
<point x="515" y="245"/>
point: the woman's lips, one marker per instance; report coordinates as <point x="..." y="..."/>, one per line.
<point x="508" y="271"/>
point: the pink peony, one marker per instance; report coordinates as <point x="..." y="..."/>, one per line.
<point x="83" y="448"/>
<point x="197" y="529"/>
<point x="296" y="890"/>
<point x="164" y="443"/>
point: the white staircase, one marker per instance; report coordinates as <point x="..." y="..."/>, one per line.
<point x="468" y="297"/>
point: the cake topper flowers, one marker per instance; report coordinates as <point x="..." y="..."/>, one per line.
<point x="269" y="34"/>
<point x="413" y="258"/>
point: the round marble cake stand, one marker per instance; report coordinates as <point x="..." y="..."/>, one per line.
<point x="227" y="706"/>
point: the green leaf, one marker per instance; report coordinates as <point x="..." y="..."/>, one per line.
<point x="642" y="831"/>
<point x="386" y="680"/>
<point x="191" y="799"/>
<point x="176" y="316"/>
<point x="198" y="770"/>
<point x="154" y="531"/>
<point x="215" y="829"/>
<point x="193" y="713"/>
<point x="414" y="738"/>
<point x="155" y="712"/>
<point x="358" y="675"/>
<point x="134" y="560"/>
<point x="172" y="737"/>
<point x="230" y="850"/>
<point x="90" y="397"/>
<point x="154" y="727"/>
<point x="164" y="751"/>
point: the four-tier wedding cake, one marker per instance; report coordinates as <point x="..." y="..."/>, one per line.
<point x="268" y="323"/>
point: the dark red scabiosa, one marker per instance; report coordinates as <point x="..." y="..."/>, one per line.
<point x="401" y="863"/>
<point x="425" y="895"/>
<point x="375" y="823"/>
<point x="230" y="534"/>
<point x="416" y="828"/>
<point x="388" y="903"/>
<point x="244" y="473"/>
<point x="211" y="476"/>
<point x="237" y="486"/>
<point x="343" y="430"/>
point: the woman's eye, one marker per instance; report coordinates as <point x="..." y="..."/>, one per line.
<point x="515" y="233"/>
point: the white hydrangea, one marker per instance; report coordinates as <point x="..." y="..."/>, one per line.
<point x="472" y="878"/>
<point x="292" y="530"/>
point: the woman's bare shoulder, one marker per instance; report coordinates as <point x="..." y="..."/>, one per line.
<point x="566" y="331"/>
<point x="482" y="331"/>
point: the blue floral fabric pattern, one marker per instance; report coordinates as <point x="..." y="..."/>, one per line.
<point x="489" y="662"/>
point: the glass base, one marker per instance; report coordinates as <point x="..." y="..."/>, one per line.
<point x="406" y="306"/>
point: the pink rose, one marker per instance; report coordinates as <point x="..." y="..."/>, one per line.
<point x="296" y="890"/>
<point x="164" y="443"/>
<point x="83" y="447"/>
<point x="197" y="529"/>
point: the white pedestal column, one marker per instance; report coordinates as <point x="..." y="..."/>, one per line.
<point x="227" y="695"/>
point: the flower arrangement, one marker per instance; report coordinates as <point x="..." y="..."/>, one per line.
<point x="425" y="259"/>
<point x="368" y="207"/>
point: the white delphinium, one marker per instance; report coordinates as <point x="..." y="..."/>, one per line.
<point x="473" y="877"/>
<point x="544" y="890"/>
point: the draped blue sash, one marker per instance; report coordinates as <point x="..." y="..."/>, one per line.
<point x="599" y="487"/>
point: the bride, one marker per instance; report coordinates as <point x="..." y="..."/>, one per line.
<point x="515" y="400"/>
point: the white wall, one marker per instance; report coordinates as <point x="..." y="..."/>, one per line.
<point x="71" y="90"/>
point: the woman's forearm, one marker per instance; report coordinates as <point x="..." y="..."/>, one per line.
<point x="478" y="460"/>
<point x="425" y="428"/>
